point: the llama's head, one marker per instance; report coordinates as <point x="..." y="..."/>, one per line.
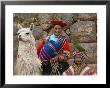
<point x="25" y="34"/>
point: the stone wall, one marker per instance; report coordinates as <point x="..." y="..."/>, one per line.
<point x="81" y="27"/>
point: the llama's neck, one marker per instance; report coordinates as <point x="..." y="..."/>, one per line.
<point x="27" y="49"/>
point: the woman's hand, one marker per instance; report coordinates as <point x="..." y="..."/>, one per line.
<point x="62" y="58"/>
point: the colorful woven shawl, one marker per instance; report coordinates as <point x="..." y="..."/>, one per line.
<point x="51" y="49"/>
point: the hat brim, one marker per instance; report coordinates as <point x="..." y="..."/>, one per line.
<point x="61" y="23"/>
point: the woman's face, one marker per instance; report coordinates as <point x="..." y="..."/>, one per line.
<point x="57" y="29"/>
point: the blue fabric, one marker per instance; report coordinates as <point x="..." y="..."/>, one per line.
<point x="53" y="37"/>
<point x="44" y="56"/>
<point x="49" y="50"/>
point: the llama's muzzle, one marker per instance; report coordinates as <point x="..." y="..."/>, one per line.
<point x="19" y="37"/>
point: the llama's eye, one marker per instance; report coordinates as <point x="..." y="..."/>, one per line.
<point x="17" y="33"/>
<point x="27" y="33"/>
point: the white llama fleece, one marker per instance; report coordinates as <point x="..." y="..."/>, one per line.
<point x="27" y="59"/>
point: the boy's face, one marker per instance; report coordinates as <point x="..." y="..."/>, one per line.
<point x="57" y="29"/>
<point x="78" y="60"/>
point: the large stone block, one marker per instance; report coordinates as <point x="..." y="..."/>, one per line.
<point x="91" y="52"/>
<point x="24" y="15"/>
<point x="15" y="48"/>
<point x="84" y="31"/>
<point x="15" y="29"/>
<point x="44" y="18"/>
<point x="38" y="32"/>
<point x="85" y="16"/>
<point x="68" y="18"/>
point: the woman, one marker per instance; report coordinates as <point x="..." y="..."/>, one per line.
<point x="54" y="50"/>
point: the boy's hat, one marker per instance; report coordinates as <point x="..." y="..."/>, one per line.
<point x="78" y="53"/>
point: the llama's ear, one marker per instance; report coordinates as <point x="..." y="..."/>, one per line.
<point x="19" y="26"/>
<point x="32" y="26"/>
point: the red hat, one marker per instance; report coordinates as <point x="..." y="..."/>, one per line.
<point x="57" y="22"/>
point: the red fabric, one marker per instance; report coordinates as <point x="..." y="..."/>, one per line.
<point x="57" y="22"/>
<point x="41" y="45"/>
<point x="66" y="46"/>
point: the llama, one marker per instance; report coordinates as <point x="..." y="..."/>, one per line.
<point x="27" y="62"/>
